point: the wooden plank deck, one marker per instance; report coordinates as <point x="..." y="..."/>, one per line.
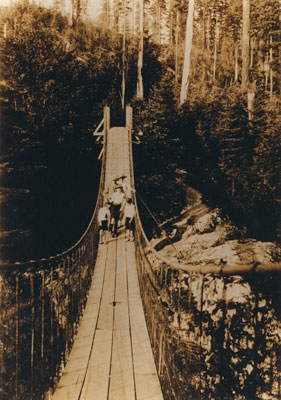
<point x="111" y="356"/>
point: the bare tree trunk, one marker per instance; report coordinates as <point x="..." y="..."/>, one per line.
<point x="171" y="23"/>
<point x="270" y="67"/>
<point x="245" y="45"/>
<point x="157" y="23"/>
<point x="208" y="25"/>
<point x="252" y="54"/>
<point x="133" y="19"/>
<point x="115" y="17"/>
<point x="107" y="15"/>
<point x="177" y="49"/>
<point x="140" y="56"/>
<point x="236" y="70"/>
<point x="204" y="26"/>
<point x="76" y="8"/>
<point x="266" y="70"/>
<point x="251" y="99"/>
<point x="123" y="60"/>
<point x="215" y="49"/>
<point x="187" y="52"/>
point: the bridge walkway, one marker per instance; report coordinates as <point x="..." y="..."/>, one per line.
<point x="112" y="357"/>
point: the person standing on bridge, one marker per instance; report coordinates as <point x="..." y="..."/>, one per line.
<point x="103" y="218"/>
<point x="127" y="189"/>
<point x="129" y="214"/>
<point x="116" y="201"/>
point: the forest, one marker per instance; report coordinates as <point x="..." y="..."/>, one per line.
<point x="203" y="79"/>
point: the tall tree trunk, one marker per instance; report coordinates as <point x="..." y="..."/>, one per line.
<point x="252" y="54"/>
<point x="140" y="56"/>
<point x="107" y="15"/>
<point x="204" y="26"/>
<point x="158" y="23"/>
<point x="216" y="49"/>
<point x="76" y="8"/>
<point x="266" y="70"/>
<point x="187" y="52"/>
<point x="208" y="27"/>
<point x="270" y="66"/>
<point x="177" y="48"/>
<point x="115" y="16"/>
<point x="123" y="60"/>
<point x="236" y="67"/>
<point x="133" y="18"/>
<point x="251" y="99"/>
<point x="245" y="45"/>
<point x="171" y="23"/>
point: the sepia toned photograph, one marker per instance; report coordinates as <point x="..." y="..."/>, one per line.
<point x="140" y="200"/>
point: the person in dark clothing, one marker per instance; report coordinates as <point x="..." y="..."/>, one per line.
<point x="116" y="203"/>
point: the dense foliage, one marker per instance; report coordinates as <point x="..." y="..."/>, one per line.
<point x="55" y="81"/>
<point x="159" y="158"/>
<point x="233" y="161"/>
<point x="219" y="336"/>
<point x="49" y="109"/>
<point x="231" y="152"/>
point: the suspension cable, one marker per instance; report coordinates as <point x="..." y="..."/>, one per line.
<point x="159" y="226"/>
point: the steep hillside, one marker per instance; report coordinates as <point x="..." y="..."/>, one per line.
<point x="201" y="236"/>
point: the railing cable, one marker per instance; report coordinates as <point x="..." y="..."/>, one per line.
<point x="159" y="226"/>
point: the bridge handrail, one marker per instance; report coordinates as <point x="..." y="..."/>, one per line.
<point x="224" y="269"/>
<point x="41" y="305"/>
<point x="195" y="340"/>
<point x="20" y="264"/>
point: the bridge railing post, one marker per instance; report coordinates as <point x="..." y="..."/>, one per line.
<point x="129" y="118"/>
<point x="106" y="116"/>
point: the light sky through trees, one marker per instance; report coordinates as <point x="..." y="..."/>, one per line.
<point x="93" y="7"/>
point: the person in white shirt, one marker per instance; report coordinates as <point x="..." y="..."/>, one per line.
<point x="127" y="190"/>
<point x="103" y="218"/>
<point x="129" y="214"/>
<point x="122" y="182"/>
<point x="116" y="201"/>
<point x="117" y="196"/>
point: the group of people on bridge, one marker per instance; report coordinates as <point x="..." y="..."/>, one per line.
<point x="118" y="210"/>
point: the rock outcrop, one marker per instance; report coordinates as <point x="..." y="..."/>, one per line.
<point x="202" y="236"/>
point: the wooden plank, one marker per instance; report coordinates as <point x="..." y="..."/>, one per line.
<point x="121" y="376"/>
<point x="121" y="296"/>
<point x="98" y="127"/>
<point x="75" y="369"/>
<point x="70" y="392"/>
<point x="146" y="378"/>
<point x="97" y="376"/>
<point x="105" y="321"/>
<point x="121" y="379"/>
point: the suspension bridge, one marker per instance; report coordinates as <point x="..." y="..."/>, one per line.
<point x="118" y="321"/>
<point x="112" y="356"/>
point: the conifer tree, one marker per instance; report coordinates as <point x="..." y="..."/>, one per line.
<point x="245" y="45"/>
<point x="140" y="53"/>
<point x="187" y="52"/>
